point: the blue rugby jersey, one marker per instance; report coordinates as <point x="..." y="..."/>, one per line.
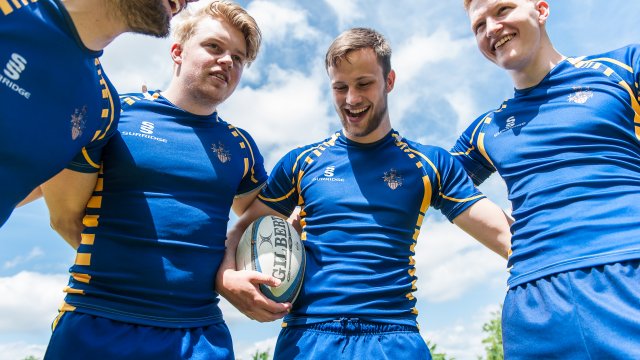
<point x="362" y="209"/>
<point x="56" y="104"/>
<point x="157" y="222"/>
<point x="569" y="152"/>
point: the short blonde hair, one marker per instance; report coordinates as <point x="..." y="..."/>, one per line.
<point x="466" y="4"/>
<point x="357" y="39"/>
<point x="227" y="11"/>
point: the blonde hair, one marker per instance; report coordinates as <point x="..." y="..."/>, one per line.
<point x="466" y="4"/>
<point x="357" y="39"/>
<point x="227" y="11"/>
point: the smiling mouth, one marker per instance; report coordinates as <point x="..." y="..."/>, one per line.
<point x="221" y="77"/>
<point x="503" y="41"/>
<point x="356" y="114"/>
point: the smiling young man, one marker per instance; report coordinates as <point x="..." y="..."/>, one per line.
<point x="53" y="89"/>
<point x="363" y="194"/>
<point x="568" y="147"/>
<point x="150" y="227"/>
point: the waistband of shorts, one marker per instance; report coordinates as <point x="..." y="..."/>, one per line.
<point x="352" y="325"/>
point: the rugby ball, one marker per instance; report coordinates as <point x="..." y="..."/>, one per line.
<point x="272" y="246"/>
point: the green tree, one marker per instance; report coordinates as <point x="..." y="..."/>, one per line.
<point x="31" y="357"/>
<point x="493" y="340"/>
<point x="261" y="355"/>
<point x="435" y="355"/>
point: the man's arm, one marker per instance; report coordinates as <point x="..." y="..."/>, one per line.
<point x="67" y="195"/>
<point x="34" y="195"/>
<point x="242" y="202"/>
<point x="488" y="224"/>
<point x="240" y="288"/>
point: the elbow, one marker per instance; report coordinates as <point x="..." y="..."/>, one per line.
<point x="69" y="229"/>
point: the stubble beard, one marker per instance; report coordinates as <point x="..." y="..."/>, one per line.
<point x="148" y="17"/>
<point x="372" y="124"/>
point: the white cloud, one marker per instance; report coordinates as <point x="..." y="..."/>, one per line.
<point x="279" y="23"/>
<point x="29" y="301"/>
<point x="132" y="60"/>
<point x="21" y="350"/>
<point x="450" y="263"/>
<point x="35" y="253"/>
<point x="288" y="111"/>
<point x="264" y="345"/>
<point x="463" y="340"/>
<point x="347" y="11"/>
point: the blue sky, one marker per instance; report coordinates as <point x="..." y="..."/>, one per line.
<point x="283" y="101"/>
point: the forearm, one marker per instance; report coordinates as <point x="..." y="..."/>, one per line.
<point x="488" y="224"/>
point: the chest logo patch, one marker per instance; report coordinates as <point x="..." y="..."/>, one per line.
<point x="393" y="179"/>
<point x="580" y="96"/>
<point x="223" y="154"/>
<point x="78" y="122"/>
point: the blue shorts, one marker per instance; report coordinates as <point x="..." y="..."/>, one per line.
<point x="81" y="336"/>
<point x="590" y="313"/>
<point x="351" y="339"/>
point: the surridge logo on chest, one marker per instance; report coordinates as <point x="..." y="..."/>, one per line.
<point x="145" y="131"/>
<point x="11" y="74"/>
<point x="510" y="124"/>
<point x="329" y="175"/>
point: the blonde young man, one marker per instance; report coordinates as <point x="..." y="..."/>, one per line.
<point x="56" y="104"/>
<point x="363" y="194"/>
<point x="568" y="147"/>
<point x="142" y="286"/>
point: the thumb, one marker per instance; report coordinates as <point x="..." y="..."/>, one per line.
<point x="265" y="279"/>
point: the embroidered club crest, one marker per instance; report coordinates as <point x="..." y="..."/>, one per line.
<point x="393" y="179"/>
<point x="580" y="96"/>
<point x="221" y="152"/>
<point x="78" y="122"/>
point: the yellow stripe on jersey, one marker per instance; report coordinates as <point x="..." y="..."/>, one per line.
<point x="635" y="105"/>
<point x="246" y="169"/>
<point x="614" y="61"/>
<point x="90" y="220"/>
<point x="482" y="149"/>
<point x="87" y="239"/>
<point x="70" y="290"/>
<point x="99" y="184"/>
<point x="95" y="202"/>
<point x="5" y="7"/>
<point x="83" y="259"/>
<point x="64" y="307"/>
<point x="83" y="278"/>
<point x="237" y="133"/>
<point x="278" y="199"/>
<point x="88" y="158"/>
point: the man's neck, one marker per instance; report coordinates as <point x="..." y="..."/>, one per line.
<point x="532" y="75"/>
<point x="96" y="24"/>
<point x="177" y="96"/>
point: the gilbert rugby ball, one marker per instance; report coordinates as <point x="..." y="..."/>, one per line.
<point x="272" y="246"/>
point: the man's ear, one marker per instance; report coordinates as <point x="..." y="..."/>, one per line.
<point x="390" y="81"/>
<point x="176" y="53"/>
<point x="543" y="11"/>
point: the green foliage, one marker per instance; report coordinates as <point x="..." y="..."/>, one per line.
<point x="435" y="355"/>
<point x="493" y="341"/>
<point x="261" y="355"/>
<point x="31" y="357"/>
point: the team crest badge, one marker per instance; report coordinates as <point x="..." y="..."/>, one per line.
<point x="221" y="152"/>
<point x="78" y="122"/>
<point x="393" y="179"/>
<point x="580" y="96"/>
